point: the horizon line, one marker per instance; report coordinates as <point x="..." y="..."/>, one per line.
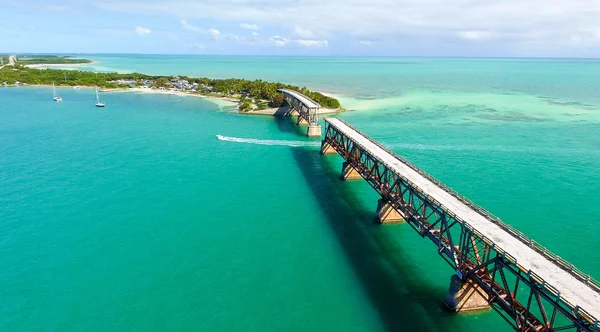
<point x="308" y="56"/>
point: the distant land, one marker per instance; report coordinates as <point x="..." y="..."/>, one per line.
<point x="251" y="96"/>
<point x="46" y="59"/>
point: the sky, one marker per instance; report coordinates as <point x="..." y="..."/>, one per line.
<point x="506" y="28"/>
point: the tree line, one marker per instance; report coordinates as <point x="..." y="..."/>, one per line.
<point x="257" y="89"/>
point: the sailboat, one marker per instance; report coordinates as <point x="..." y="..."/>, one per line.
<point x="98" y="103"/>
<point x="54" y="96"/>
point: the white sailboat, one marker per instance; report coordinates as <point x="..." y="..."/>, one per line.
<point x="54" y="96"/>
<point x="98" y="103"/>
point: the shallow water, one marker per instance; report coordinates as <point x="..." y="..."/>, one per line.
<point x="139" y="216"/>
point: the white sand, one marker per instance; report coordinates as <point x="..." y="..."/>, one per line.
<point x="217" y="100"/>
<point x="50" y="65"/>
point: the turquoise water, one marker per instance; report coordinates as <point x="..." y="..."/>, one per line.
<point x="135" y="217"/>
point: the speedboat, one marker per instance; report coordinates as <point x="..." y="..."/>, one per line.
<point x="98" y="103"/>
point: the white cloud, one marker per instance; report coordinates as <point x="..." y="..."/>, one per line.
<point x="186" y="26"/>
<point x="475" y="35"/>
<point x="249" y="26"/>
<point x="215" y="33"/>
<point x="365" y="42"/>
<point x="142" y="31"/>
<point x="212" y="33"/>
<point x="520" y="25"/>
<point x="254" y="33"/>
<point x="311" y="43"/>
<point x="304" y="33"/>
<point x="279" y="41"/>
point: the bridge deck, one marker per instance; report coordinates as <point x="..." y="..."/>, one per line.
<point x="571" y="289"/>
<point x="302" y="98"/>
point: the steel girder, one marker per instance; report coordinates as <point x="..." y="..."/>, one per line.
<point x="521" y="297"/>
<point x="310" y="114"/>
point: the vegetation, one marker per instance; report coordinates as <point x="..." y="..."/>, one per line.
<point x="264" y="90"/>
<point x="256" y="94"/>
<point x="45" y="59"/>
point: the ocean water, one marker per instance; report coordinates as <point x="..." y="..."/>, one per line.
<point x="139" y="217"/>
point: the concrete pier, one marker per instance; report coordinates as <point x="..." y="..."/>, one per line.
<point x="471" y="240"/>
<point x="349" y="172"/>
<point x="386" y="214"/>
<point x="326" y="148"/>
<point x="465" y="296"/>
<point x="314" y="131"/>
<point x="305" y="108"/>
<point x="302" y="121"/>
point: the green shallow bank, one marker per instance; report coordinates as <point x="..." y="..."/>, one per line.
<point x="136" y="217"/>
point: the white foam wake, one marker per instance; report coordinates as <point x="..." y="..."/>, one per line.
<point x="267" y="141"/>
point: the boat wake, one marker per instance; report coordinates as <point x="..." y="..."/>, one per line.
<point x="268" y="142"/>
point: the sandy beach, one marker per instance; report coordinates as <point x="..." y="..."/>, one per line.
<point x="51" y="65"/>
<point x="224" y="101"/>
<point x="282" y="111"/>
<point x="221" y="101"/>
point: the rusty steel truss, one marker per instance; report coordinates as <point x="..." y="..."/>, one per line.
<point x="521" y="297"/>
<point x="306" y="114"/>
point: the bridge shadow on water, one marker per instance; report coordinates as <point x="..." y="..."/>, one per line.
<point x="287" y="124"/>
<point x="404" y="302"/>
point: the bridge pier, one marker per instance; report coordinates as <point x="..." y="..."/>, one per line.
<point x="465" y="296"/>
<point x="314" y="131"/>
<point x="349" y="172"/>
<point x="302" y="121"/>
<point x="386" y="214"/>
<point x="326" y="148"/>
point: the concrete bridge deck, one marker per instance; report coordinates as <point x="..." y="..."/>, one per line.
<point x="302" y="98"/>
<point x="305" y="108"/>
<point x="571" y="288"/>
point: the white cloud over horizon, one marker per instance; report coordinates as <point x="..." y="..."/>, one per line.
<point x="397" y="27"/>
<point x="556" y="23"/>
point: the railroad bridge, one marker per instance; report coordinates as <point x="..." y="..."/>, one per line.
<point x="495" y="265"/>
<point x="305" y="108"/>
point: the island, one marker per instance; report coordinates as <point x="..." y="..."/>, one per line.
<point x="41" y="60"/>
<point x="253" y="97"/>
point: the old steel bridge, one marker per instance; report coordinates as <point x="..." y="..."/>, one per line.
<point x="496" y="265"/>
<point x="305" y="108"/>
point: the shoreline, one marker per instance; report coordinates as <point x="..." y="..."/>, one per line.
<point x="282" y="111"/>
<point x="228" y="100"/>
<point x="222" y="101"/>
<point x="50" y="65"/>
<point x="232" y="101"/>
<point x="201" y="87"/>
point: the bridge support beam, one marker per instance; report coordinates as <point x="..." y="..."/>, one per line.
<point x="349" y="172"/>
<point x="386" y="214"/>
<point x="314" y="131"/>
<point x="293" y="112"/>
<point x="465" y="296"/>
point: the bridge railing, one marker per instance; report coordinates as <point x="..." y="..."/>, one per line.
<point x="560" y="262"/>
<point x="287" y="91"/>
